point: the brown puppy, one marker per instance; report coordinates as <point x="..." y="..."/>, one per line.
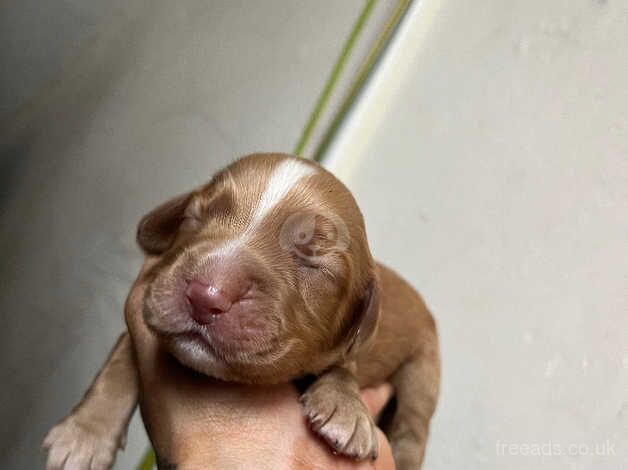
<point x="264" y="275"/>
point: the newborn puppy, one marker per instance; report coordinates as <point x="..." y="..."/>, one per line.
<point x="264" y="275"/>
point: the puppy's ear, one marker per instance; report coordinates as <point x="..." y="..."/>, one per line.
<point x="366" y="317"/>
<point x="158" y="228"/>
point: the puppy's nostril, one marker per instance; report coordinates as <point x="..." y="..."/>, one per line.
<point x="206" y="301"/>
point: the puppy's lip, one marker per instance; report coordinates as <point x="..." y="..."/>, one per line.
<point x="243" y="329"/>
<point x="223" y="352"/>
<point x="198" y="338"/>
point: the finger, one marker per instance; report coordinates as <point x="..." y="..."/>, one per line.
<point x="375" y="398"/>
<point x="385" y="460"/>
<point x="57" y="457"/>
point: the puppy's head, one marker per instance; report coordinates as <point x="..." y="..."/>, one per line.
<point x="263" y="274"/>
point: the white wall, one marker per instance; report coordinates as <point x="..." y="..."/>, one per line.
<point x="492" y="168"/>
<point x="493" y="175"/>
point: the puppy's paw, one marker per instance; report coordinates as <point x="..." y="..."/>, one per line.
<point x="342" y="420"/>
<point x="73" y="445"/>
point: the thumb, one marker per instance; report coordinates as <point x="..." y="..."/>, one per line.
<point x="375" y="398"/>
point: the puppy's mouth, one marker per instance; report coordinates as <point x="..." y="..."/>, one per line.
<point x="227" y="352"/>
<point x="216" y="311"/>
<point x="247" y="332"/>
<point x="245" y="329"/>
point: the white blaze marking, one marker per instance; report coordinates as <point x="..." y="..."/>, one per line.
<point x="287" y="174"/>
<point x="283" y="179"/>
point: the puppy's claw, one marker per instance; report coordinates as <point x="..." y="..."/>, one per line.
<point x="72" y="445"/>
<point x="342" y="421"/>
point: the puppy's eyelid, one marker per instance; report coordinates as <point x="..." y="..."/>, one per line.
<point x="311" y="263"/>
<point x="190" y="224"/>
<point x="321" y="268"/>
<point x="193" y="210"/>
<point x="308" y="263"/>
<point x="190" y="216"/>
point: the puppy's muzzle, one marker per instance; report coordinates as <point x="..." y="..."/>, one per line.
<point x="215" y="295"/>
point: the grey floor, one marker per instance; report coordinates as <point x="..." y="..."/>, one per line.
<point x="489" y="155"/>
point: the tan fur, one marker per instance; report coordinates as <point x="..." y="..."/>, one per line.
<point x="323" y="308"/>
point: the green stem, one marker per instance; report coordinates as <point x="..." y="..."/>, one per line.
<point x="333" y="77"/>
<point x="361" y="77"/>
<point x="148" y="461"/>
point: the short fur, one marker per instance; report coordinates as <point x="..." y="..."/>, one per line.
<point x="318" y="304"/>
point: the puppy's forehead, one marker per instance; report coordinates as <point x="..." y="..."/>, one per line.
<point x="283" y="179"/>
<point x="258" y="200"/>
<point x="262" y="187"/>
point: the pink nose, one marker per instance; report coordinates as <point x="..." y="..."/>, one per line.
<point x="207" y="301"/>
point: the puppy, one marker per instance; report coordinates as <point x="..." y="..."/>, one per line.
<point x="264" y="275"/>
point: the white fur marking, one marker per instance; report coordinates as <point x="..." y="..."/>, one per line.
<point x="283" y="179"/>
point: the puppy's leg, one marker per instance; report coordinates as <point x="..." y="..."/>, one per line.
<point x="335" y="411"/>
<point x="416" y="383"/>
<point x="88" y="438"/>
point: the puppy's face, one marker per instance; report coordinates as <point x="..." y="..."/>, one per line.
<point x="263" y="274"/>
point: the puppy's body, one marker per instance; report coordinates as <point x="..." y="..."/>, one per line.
<point x="264" y="275"/>
<point x="406" y="328"/>
<point x="405" y="352"/>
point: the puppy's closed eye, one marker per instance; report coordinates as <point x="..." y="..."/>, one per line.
<point x="190" y="223"/>
<point x="312" y="237"/>
<point x="200" y="212"/>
